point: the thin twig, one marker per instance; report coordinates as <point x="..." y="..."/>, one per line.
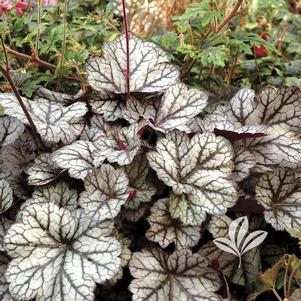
<point x="127" y="39"/>
<point x="232" y="15"/>
<point x="5" y="54"/>
<point x="30" y="58"/>
<point x="39" y="25"/>
<point x="63" y="47"/>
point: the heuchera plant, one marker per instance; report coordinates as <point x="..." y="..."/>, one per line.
<point x="138" y="148"/>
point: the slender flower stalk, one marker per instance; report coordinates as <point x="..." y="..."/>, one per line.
<point x="127" y="38"/>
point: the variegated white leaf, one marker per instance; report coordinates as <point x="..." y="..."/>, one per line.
<point x="58" y="255"/>
<point x="279" y="193"/>
<point x="166" y="230"/>
<point x="53" y="121"/>
<point x="149" y="68"/>
<point x="178" y="106"/>
<point x="119" y="145"/>
<point x="77" y="158"/>
<point x="244" y="161"/>
<point x="180" y="276"/>
<point x="42" y="171"/>
<point x="280" y="106"/>
<point x="60" y="194"/>
<point x="6" y="195"/>
<point x="10" y="130"/>
<point x="106" y="191"/>
<point x="198" y="166"/>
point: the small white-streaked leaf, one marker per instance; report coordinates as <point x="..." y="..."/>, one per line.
<point x="149" y="68"/>
<point x="180" y="276"/>
<point x="60" y="194"/>
<point x="4" y="226"/>
<point x="279" y="193"/>
<point x="77" y="158"/>
<point x="178" y="106"/>
<point x="296" y="295"/>
<point x="119" y="145"/>
<point x="15" y="158"/>
<point x="240" y="242"/>
<point x="106" y="191"/>
<point x="280" y="106"/>
<point x="190" y="165"/>
<point x="6" y="195"/>
<point x="58" y="255"/>
<point x="4" y="292"/>
<point x="245" y="275"/>
<point x="137" y="173"/>
<point x="107" y="104"/>
<point x="42" y="171"/>
<point x="165" y="230"/>
<point x="53" y="121"/>
<point x="10" y="129"/>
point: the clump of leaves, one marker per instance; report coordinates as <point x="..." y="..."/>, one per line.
<point x="134" y="167"/>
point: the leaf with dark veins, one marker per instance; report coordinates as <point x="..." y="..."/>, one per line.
<point x="42" y="171"/>
<point x="4" y="292"/>
<point x="54" y="121"/>
<point x="164" y="229"/>
<point x="10" y="129"/>
<point x="149" y="68"/>
<point x="179" y="276"/>
<point x="178" y="106"/>
<point x="279" y="193"/>
<point x="4" y="226"/>
<point x="198" y="166"/>
<point x="77" y="158"/>
<point x="58" y="255"/>
<point x="106" y="190"/>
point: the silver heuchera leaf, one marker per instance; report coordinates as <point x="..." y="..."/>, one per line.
<point x="58" y="255"/>
<point x="6" y="195"/>
<point x="119" y="145"/>
<point x="279" y="193"/>
<point x="42" y="171"/>
<point x="178" y="106"/>
<point x="244" y="161"/>
<point x="77" y="158"/>
<point x="60" y="194"/>
<point x="10" y="129"/>
<point x="53" y="121"/>
<point x="198" y="167"/>
<point x="180" y="276"/>
<point x="165" y="230"/>
<point x="106" y="191"/>
<point x="149" y="68"/>
<point x="142" y="189"/>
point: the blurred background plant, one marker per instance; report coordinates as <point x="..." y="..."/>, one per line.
<point x="220" y="45"/>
